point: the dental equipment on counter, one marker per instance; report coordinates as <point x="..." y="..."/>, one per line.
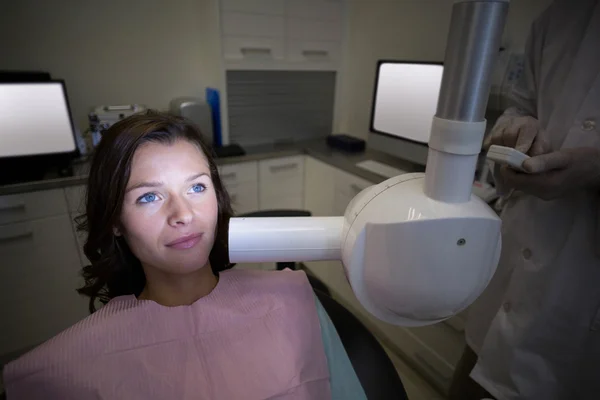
<point x="416" y="248"/>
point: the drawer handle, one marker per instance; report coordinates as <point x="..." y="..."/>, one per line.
<point x="15" y="207"/>
<point x="256" y="51"/>
<point x="283" y="167"/>
<point x="16" y="237"/>
<point x="315" y="54"/>
<point x="230" y="175"/>
<point x="423" y="361"/>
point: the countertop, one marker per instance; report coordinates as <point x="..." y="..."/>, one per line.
<point x="314" y="148"/>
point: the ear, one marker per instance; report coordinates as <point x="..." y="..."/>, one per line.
<point x="116" y="231"/>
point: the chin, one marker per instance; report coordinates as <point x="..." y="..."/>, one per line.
<point x="185" y="265"/>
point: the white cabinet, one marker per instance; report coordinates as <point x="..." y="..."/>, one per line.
<point x="281" y="183"/>
<point x="347" y="186"/>
<point x="319" y="186"/>
<point x="241" y="182"/>
<point x="328" y="190"/>
<point x="75" y="196"/>
<point x="27" y="206"/>
<point x="39" y="272"/>
<point x="282" y="34"/>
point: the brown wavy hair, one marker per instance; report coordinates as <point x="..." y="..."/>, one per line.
<point x="114" y="269"/>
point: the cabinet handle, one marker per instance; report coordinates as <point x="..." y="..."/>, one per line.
<point x="16" y="237"/>
<point x="315" y="54"/>
<point x="437" y="374"/>
<point x="256" y="51"/>
<point x="277" y="168"/>
<point x="230" y="175"/>
<point x="16" y="206"/>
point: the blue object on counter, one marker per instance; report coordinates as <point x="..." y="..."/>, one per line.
<point x="214" y="101"/>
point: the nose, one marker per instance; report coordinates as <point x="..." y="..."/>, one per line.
<point x="180" y="211"/>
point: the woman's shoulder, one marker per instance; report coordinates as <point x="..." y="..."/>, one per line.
<point x="82" y="339"/>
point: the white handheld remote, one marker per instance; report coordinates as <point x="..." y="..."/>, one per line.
<point x="507" y="156"/>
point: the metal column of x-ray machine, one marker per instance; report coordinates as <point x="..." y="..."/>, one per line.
<point x="417" y="248"/>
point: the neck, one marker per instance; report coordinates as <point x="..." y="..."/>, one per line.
<point x="173" y="290"/>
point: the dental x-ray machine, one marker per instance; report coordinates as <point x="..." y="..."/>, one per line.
<point x="417" y="248"/>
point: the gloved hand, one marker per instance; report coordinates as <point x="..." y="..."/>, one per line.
<point x="556" y="174"/>
<point x="521" y="133"/>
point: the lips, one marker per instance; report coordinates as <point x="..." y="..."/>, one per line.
<point x="185" y="242"/>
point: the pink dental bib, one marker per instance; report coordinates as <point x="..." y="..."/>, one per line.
<point x="255" y="336"/>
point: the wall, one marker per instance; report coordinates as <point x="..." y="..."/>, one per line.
<point x="403" y="30"/>
<point x="115" y="52"/>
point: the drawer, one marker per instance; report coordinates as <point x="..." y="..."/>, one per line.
<point x="39" y="272"/>
<point x="244" y="197"/>
<point x="350" y="185"/>
<point x="242" y="24"/>
<point x="314" y="30"/>
<point x="75" y="196"/>
<point x="315" y="9"/>
<point x="312" y="51"/>
<point x="251" y="48"/>
<point x="293" y="202"/>
<point x="239" y="173"/>
<point x="340" y="202"/>
<point x="270" y="7"/>
<point x="32" y="205"/>
<point x="281" y="176"/>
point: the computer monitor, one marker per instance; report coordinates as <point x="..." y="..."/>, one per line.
<point x="36" y="129"/>
<point x="404" y="101"/>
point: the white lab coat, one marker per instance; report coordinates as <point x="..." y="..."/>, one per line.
<point x="536" y="328"/>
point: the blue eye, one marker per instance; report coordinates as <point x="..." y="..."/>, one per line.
<point x="147" y="198"/>
<point x="198" y="188"/>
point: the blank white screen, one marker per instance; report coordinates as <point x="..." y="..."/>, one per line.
<point x="34" y="119"/>
<point x="406" y="99"/>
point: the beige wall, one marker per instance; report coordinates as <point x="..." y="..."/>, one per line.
<point x="116" y="51"/>
<point x="403" y="30"/>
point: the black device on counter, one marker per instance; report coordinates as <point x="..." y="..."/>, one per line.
<point x="231" y="150"/>
<point x="346" y="143"/>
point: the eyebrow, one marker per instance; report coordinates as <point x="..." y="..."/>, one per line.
<point x="157" y="184"/>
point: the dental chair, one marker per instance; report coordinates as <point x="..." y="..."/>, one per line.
<point x="374" y="369"/>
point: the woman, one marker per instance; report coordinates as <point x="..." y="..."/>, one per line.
<point x="177" y="324"/>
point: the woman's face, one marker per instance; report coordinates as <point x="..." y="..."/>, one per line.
<point x="170" y="209"/>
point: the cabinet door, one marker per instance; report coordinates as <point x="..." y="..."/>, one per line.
<point x="32" y="205"/>
<point x="244" y="197"/>
<point x="319" y="180"/>
<point x="293" y="202"/>
<point x="346" y="188"/>
<point x="39" y="273"/>
<point x="281" y="183"/>
<point x="239" y="173"/>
